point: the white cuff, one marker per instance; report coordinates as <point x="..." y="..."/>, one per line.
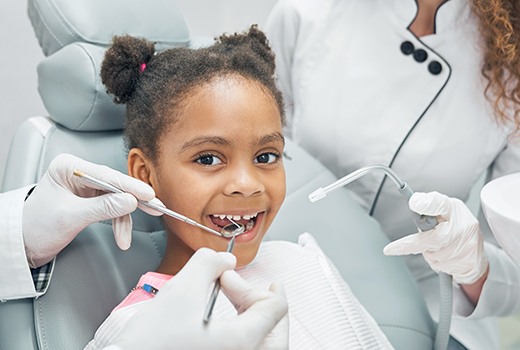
<point x="499" y="295"/>
<point x="15" y="276"/>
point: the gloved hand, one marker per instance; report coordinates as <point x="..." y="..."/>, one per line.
<point x="63" y="204"/>
<point x="455" y="246"/>
<point x="173" y="319"/>
<point x="255" y="308"/>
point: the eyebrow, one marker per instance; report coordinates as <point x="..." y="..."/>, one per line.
<point x="274" y="137"/>
<point x="220" y="141"/>
<point x="216" y="140"/>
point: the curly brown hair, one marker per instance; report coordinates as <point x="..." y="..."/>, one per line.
<point x="154" y="85"/>
<point x="499" y="25"/>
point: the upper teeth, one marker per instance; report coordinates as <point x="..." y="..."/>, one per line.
<point x="236" y="217"/>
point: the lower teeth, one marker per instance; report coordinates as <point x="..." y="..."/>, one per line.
<point x="250" y="224"/>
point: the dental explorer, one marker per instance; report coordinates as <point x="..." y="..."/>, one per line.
<point x="216" y="288"/>
<point x="225" y="231"/>
<point x="423" y="223"/>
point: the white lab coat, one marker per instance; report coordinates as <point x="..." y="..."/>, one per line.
<point x="354" y="99"/>
<point x="16" y="281"/>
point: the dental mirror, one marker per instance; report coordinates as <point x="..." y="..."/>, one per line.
<point x="232" y="230"/>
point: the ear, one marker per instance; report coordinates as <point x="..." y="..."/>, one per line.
<point x="140" y="167"/>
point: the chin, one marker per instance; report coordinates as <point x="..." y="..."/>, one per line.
<point x="245" y="258"/>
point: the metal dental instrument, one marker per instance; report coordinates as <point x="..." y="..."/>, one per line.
<point x="160" y="208"/>
<point x="423" y="223"/>
<point x="216" y="288"/>
<point x="232" y="229"/>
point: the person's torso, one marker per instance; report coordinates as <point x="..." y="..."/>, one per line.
<point x="359" y="100"/>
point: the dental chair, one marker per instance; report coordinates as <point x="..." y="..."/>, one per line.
<point x="92" y="275"/>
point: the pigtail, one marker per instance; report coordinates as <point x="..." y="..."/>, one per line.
<point x="124" y="63"/>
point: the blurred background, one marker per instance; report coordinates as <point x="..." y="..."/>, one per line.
<point x="21" y="53"/>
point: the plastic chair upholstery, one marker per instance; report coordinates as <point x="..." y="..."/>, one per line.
<point x="92" y="275"/>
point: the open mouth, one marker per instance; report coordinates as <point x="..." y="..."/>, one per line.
<point x="222" y="220"/>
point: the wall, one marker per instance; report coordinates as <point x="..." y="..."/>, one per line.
<point x="21" y="53"/>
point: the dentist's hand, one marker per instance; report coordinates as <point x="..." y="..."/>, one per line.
<point x="455" y="246"/>
<point x="63" y="204"/>
<point x="259" y="311"/>
<point x="173" y="319"/>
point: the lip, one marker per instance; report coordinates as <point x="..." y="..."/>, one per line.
<point x="244" y="237"/>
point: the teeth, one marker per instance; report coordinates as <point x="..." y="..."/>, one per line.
<point x="235" y="217"/>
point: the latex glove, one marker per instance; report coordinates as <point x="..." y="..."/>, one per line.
<point x="455" y="246"/>
<point x="173" y="319"/>
<point x="254" y="305"/>
<point x="63" y="204"/>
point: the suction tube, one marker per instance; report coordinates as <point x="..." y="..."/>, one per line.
<point x="423" y="223"/>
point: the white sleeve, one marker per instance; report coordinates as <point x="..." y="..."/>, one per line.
<point x="508" y="161"/>
<point x="499" y="295"/>
<point x="16" y="281"/>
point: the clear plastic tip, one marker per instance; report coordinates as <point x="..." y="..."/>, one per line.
<point x="315" y="196"/>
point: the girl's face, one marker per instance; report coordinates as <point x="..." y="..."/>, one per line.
<point x="222" y="158"/>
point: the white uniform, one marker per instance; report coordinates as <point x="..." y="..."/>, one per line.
<point x="15" y="276"/>
<point x="355" y="99"/>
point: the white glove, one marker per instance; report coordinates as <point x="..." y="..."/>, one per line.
<point x="257" y="307"/>
<point x="455" y="246"/>
<point x="173" y="319"/>
<point x="63" y="204"/>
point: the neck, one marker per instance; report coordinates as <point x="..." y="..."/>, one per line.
<point x="424" y="22"/>
<point x="175" y="257"/>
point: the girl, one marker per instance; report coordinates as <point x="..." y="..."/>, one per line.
<point x="204" y="129"/>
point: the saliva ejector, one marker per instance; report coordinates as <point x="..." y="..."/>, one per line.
<point x="423" y="223"/>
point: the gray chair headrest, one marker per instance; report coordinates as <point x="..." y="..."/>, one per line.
<point x="58" y="23"/>
<point x="74" y="35"/>
<point x="72" y="92"/>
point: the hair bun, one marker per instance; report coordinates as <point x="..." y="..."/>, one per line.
<point x="256" y="41"/>
<point x="123" y="64"/>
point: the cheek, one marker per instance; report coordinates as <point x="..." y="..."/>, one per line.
<point x="279" y="190"/>
<point x="177" y="193"/>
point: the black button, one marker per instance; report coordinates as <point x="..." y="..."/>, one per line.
<point x="420" y="55"/>
<point x="434" y="67"/>
<point x="407" y="48"/>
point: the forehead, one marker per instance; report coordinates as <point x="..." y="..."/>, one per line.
<point x="231" y="100"/>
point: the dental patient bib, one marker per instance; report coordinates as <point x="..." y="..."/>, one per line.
<point x="323" y="312"/>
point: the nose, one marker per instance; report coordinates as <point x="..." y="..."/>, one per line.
<point x="245" y="181"/>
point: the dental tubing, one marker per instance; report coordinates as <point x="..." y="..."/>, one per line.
<point x="423" y="223"/>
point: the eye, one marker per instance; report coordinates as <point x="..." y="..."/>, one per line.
<point x="267" y="158"/>
<point x="208" y="159"/>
